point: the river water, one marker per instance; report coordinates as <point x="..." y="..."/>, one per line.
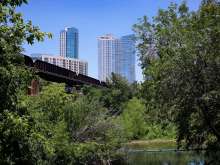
<point x="140" y="157"/>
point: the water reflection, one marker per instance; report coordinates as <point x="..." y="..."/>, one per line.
<point x="164" y="158"/>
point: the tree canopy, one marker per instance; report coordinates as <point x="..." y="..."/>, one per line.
<point x="183" y="77"/>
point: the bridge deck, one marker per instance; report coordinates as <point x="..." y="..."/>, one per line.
<point x="58" y="74"/>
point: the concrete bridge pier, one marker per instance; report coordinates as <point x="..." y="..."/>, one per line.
<point x="34" y="88"/>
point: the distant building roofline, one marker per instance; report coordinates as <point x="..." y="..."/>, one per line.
<point x="108" y="36"/>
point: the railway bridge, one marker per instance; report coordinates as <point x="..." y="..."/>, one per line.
<point x="58" y="74"/>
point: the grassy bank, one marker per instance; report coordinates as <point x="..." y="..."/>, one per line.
<point x="152" y="144"/>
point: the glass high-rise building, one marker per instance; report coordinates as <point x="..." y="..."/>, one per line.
<point x="117" y="56"/>
<point x="69" y="42"/>
<point x="126" y="60"/>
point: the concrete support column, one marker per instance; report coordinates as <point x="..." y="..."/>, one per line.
<point x="33" y="89"/>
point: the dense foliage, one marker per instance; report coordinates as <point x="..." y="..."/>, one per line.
<point x="80" y="128"/>
<point x="56" y="127"/>
<point x="70" y="128"/>
<point x="14" y="123"/>
<point x="180" y="56"/>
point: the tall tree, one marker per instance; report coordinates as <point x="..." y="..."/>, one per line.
<point x="185" y="79"/>
<point x="118" y="92"/>
<point x="14" y="124"/>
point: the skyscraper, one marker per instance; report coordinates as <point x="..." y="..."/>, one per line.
<point x="126" y="59"/>
<point x="117" y="56"/>
<point x="108" y="47"/>
<point x="68" y="53"/>
<point x="69" y="42"/>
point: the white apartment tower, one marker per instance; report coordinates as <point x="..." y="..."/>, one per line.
<point x="108" y="47"/>
<point x="75" y="65"/>
<point x="116" y="56"/>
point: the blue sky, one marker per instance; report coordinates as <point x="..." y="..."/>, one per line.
<point x="93" y="18"/>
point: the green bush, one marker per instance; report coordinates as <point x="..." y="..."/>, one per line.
<point x="132" y="119"/>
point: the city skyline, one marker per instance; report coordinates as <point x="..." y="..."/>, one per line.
<point x="69" y="55"/>
<point x="64" y="95"/>
<point x="92" y="18"/>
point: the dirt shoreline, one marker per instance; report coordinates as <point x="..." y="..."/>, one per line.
<point x="152" y="144"/>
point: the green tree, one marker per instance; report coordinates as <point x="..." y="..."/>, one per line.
<point x="71" y="128"/>
<point x="14" y="123"/>
<point x="132" y="119"/>
<point x="184" y="77"/>
<point x="119" y="91"/>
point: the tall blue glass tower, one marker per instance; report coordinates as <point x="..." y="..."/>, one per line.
<point x="125" y="63"/>
<point x="69" y="42"/>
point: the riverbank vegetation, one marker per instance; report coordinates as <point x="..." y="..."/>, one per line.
<point x="179" y="98"/>
<point x="180" y="57"/>
<point x="152" y="145"/>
